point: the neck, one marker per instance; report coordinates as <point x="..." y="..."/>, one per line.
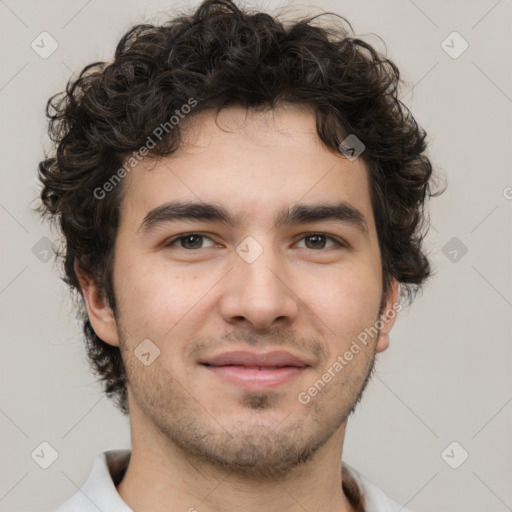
<point x="162" y="476"/>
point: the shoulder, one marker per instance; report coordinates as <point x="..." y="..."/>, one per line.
<point x="376" y="500"/>
<point x="99" y="490"/>
<point x="77" y="503"/>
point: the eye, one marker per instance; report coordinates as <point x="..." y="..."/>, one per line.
<point x="189" y="241"/>
<point x="194" y="241"/>
<point x="318" y="241"/>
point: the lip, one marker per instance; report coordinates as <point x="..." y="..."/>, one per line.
<point x="275" y="358"/>
<point x="252" y="371"/>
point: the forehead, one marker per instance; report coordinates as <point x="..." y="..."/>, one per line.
<point x="254" y="162"/>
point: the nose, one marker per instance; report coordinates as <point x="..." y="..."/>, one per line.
<point x="259" y="293"/>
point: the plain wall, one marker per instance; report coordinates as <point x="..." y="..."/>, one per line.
<point x="447" y="374"/>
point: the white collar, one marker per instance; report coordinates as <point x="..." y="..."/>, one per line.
<point x="99" y="493"/>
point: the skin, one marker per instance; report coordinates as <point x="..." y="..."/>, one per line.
<point x="197" y="441"/>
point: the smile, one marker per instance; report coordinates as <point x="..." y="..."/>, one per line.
<point x="252" y="378"/>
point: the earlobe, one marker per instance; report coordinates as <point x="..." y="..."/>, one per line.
<point x="388" y="316"/>
<point x="383" y="342"/>
<point x="100" y="314"/>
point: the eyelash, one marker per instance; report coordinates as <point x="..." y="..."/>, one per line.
<point x="175" y="239"/>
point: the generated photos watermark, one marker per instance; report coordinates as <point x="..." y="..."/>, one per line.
<point x="341" y="361"/>
<point x="137" y="156"/>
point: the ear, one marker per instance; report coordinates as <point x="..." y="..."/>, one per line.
<point x="100" y="314"/>
<point x="388" y="316"/>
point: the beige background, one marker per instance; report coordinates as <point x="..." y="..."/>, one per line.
<point x="446" y="376"/>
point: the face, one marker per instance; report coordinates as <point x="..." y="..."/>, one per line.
<point x="253" y="301"/>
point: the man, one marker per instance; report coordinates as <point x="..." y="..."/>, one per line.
<point x="240" y="200"/>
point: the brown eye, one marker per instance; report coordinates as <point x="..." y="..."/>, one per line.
<point x="189" y="241"/>
<point x="318" y="241"/>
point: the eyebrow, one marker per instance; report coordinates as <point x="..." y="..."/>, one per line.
<point x="342" y="212"/>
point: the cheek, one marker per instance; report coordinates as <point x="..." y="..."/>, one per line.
<point x="347" y="303"/>
<point x="155" y="300"/>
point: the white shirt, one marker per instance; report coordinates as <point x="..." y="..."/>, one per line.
<point x="99" y="491"/>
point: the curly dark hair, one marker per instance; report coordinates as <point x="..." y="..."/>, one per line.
<point x="221" y="55"/>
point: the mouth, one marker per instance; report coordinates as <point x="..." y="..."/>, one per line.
<point x="251" y="371"/>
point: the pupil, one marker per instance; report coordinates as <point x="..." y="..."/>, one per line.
<point x="192" y="237"/>
<point x="317" y="237"/>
